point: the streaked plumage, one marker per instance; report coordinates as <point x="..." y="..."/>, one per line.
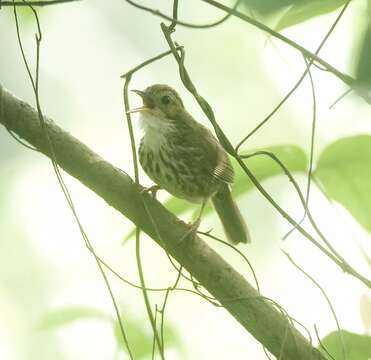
<point x="184" y="158"/>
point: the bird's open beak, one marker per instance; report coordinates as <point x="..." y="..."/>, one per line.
<point x="147" y="103"/>
<point x="139" y="109"/>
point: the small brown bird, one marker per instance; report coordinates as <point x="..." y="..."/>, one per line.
<point x="184" y="158"/>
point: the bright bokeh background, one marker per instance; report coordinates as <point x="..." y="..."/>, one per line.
<point x="44" y="264"/>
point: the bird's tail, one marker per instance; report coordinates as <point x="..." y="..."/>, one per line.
<point x="233" y="223"/>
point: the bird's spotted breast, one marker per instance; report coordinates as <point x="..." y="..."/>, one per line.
<point x="172" y="168"/>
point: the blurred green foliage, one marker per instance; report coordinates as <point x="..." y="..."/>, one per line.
<point x="305" y="9"/>
<point x="139" y="336"/>
<point x="293" y="12"/>
<point x="300" y="12"/>
<point x="141" y="339"/>
<point x="357" y="347"/>
<point x="58" y="318"/>
<point x="363" y="69"/>
<point x="344" y="174"/>
<point x="26" y="17"/>
<point x="268" y="7"/>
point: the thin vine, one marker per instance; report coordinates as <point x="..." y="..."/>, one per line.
<point x="35" y="85"/>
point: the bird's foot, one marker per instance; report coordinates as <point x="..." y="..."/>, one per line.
<point x="152" y="190"/>
<point x="191" y="232"/>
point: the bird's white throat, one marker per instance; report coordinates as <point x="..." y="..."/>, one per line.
<point x="155" y="129"/>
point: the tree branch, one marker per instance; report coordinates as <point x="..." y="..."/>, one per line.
<point x="254" y="312"/>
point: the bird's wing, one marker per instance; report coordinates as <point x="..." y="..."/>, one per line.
<point x="202" y="150"/>
<point x="219" y="165"/>
<point x="223" y="170"/>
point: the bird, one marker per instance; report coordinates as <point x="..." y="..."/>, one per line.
<point x="184" y="158"/>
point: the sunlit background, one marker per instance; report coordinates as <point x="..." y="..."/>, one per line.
<point x="53" y="301"/>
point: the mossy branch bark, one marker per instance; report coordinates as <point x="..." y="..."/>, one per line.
<point x="257" y="315"/>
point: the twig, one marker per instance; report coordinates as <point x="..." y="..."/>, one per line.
<point x="308" y="65"/>
<point x="175" y="20"/>
<point x="35" y="3"/>
<point x="321" y="344"/>
<point x="137" y="233"/>
<point x="239" y="252"/>
<point x="311" y="156"/>
<point x="311" y="56"/>
<point x="342" y="343"/>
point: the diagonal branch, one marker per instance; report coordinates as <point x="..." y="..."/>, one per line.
<point x="254" y="312"/>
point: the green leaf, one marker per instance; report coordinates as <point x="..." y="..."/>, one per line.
<point x="140" y="341"/>
<point x="268" y="7"/>
<point x="140" y="337"/>
<point x="301" y="12"/>
<point x="262" y="167"/>
<point x="58" y="318"/>
<point x="357" y="347"/>
<point x="344" y="173"/>
<point x="363" y="69"/>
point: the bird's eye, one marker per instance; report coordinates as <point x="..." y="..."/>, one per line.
<point x="165" y="100"/>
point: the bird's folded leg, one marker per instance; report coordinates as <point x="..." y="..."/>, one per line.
<point x="193" y="227"/>
<point x="191" y="232"/>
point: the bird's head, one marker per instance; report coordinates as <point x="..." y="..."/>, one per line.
<point x="160" y="103"/>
